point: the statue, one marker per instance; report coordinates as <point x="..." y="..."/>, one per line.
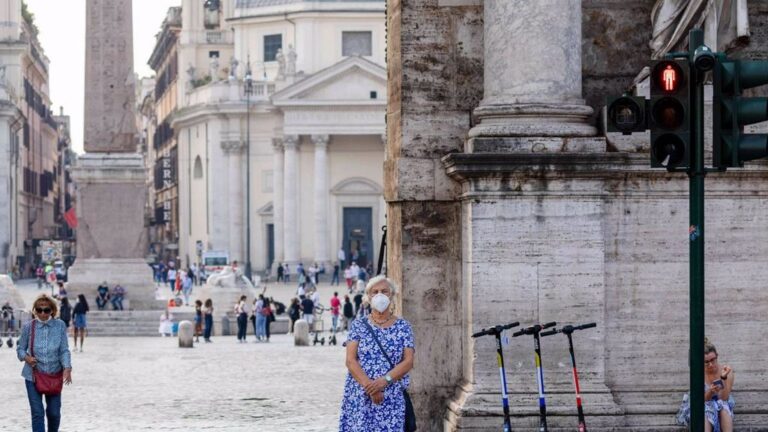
<point x="290" y="66"/>
<point x="280" y="57"/>
<point x="725" y="24"/>
<point x="214" y="66"/>
<point x="233" y="68"/>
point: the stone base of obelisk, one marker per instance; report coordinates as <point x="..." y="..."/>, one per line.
<point x="111" y="236"/>
<point x="132" y="274"/>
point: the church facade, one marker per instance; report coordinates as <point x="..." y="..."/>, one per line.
<point x="507" y="201"/>
<point x="279" y="130"/>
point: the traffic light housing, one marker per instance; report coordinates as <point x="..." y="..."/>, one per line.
<point x="669" y="114"/>
<point x="626" y="114"/>
<point x="731" y="112"/>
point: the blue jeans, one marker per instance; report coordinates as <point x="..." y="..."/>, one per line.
<point x="117" y="303"/>
<point x="53" y="411"/>
<point x="334" y="323"/>
<point x="208" y="326"/>
<point x="335" y="279"/>
<point x="261" y="326"/>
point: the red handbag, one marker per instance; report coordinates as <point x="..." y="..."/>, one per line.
<point x="45" y="383"/>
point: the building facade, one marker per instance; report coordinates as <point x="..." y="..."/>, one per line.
<point x="507" y="202"/>
<point x="32" y="168"/>
<point x="280" y="138"/>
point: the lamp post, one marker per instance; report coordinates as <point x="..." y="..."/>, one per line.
<point x="248" y="90"/>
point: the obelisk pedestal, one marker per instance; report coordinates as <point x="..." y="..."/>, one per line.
<point x="111" y="177"/>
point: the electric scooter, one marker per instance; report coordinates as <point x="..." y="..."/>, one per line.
<point x="568" y="331"/>
<point x="496" y="331"/>
<point x="535" y="330"/>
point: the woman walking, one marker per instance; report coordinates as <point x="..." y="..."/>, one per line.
<point x="80" y="310"/>
<point x="242" y="319"/>
<point x="44" y="349"/>
<point x="380" y="352"/>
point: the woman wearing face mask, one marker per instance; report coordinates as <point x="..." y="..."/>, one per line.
<point x="380" y="351"/>
<point x="50" y="355"/>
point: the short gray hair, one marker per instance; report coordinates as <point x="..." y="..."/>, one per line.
<point x="378" y="279"/>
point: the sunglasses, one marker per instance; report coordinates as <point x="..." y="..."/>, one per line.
<point x="43" y="310"/>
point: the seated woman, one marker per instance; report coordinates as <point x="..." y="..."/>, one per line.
<point x="718" y="383"/>
<point x="718" y="403"/>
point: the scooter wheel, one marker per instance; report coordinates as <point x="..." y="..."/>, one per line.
<point x="322" y="341"/>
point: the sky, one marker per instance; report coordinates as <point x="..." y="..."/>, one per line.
<point x="62" y="35"/>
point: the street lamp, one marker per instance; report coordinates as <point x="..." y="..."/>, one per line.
<point x="248" y="89"/>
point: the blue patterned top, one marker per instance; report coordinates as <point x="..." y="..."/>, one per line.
<point x="51" y="347"/>
<point x="358" y="412"/>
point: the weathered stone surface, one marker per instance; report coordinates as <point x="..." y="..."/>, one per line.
<point x="186" y="333"/>
<point x="301" y="333"/>
<point x="110" y="123"/>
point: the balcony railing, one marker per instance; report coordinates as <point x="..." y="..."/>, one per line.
<point x="229" y="91"/>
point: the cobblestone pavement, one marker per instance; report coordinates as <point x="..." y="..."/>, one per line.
<point x="140" y="384"/>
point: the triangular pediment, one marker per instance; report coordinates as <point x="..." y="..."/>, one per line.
<point x="349" y="81"/>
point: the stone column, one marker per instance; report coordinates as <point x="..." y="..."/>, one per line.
<point x="321" y="197"/>
<point x="277" y="200"/>
<point x="291" y="196"/>
<point x="540" y="96"/>
<point x="236" y="199"/>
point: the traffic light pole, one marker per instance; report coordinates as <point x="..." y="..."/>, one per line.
<point x="696" y="231"/>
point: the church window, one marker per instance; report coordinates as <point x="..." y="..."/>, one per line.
<point x="198" y="170"/>
<point x="272" y="43"/>
<point x="356" y="43"/>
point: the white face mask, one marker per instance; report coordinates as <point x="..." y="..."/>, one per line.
<point x="380" y="302"/>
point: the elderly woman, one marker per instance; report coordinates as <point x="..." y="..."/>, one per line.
<point x="49" y="354"/>
<point x="380" y="352"/>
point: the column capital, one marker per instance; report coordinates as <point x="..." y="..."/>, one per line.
<point x="291" y="142"/>
<point x="320" y="141"/>
<point x="277" y="144"/>
<point x="232" y="146"/>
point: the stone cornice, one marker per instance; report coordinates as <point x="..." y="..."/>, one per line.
<point x="596" y="175"/>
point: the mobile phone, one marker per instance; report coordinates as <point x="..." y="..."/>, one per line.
<point x="719" y="383"/>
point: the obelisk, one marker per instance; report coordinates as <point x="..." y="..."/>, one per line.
<point x="110" y="176"/>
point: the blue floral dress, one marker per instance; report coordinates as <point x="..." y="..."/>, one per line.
<point x="358" y="412"/>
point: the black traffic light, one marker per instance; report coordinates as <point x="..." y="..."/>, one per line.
<point x="626" y="114"/>
<point x="731" y="112"/>
<point x="669" y="114"/>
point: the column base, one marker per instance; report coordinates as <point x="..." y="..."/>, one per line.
<point x="470" y="411"/>
<point x="533" y="120"/>
<point x="133" y="274"/>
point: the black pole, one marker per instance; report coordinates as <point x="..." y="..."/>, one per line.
<point x="382" y="249"/>
<point x="696" y="236"/>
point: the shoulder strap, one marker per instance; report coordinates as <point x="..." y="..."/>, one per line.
<point x="32" y="339"/>
<point x="370" y="329"/>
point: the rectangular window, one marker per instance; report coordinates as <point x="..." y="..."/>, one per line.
<point x="272" y="43"/>
<point x="268" y="182"/>
<point x="356" y="43"/>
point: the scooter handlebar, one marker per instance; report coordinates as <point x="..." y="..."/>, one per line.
<point x="549" y="333"/>
<point x="537" y="328"/>
<point x="586" y="326"/>
<point x="548" y="325"/>
<point x="495" y="330"/>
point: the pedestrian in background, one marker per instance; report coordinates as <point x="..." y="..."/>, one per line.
<point x="380" y="354"/>
<point x="186" y="287"/>
<point x="280" y="272"/>
<point x="241" y="312"/>
<point x="286" y="273"/>
<point x="307" y="310"/>
<point x="102" y="295"/>
<point x="294" y="312"/>
<point x="348" y="277"/>
<point x="208" y="318"/>
<point x="335" y="312"/>
<point x="81" y="323"/>
<point x="118" y="293"/>
<point x="65" y="311"/>
<point x="335" y="277"/>
<point x="198" y="320"/>
<point x="270" y="316"/>
<point x="349" y="313"/>
<point x="259" y="320"/>
<point x="43" y="347"/>
<point x="171" y="278"/>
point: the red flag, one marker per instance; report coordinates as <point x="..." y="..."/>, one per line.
<point x="71" y="218"/>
